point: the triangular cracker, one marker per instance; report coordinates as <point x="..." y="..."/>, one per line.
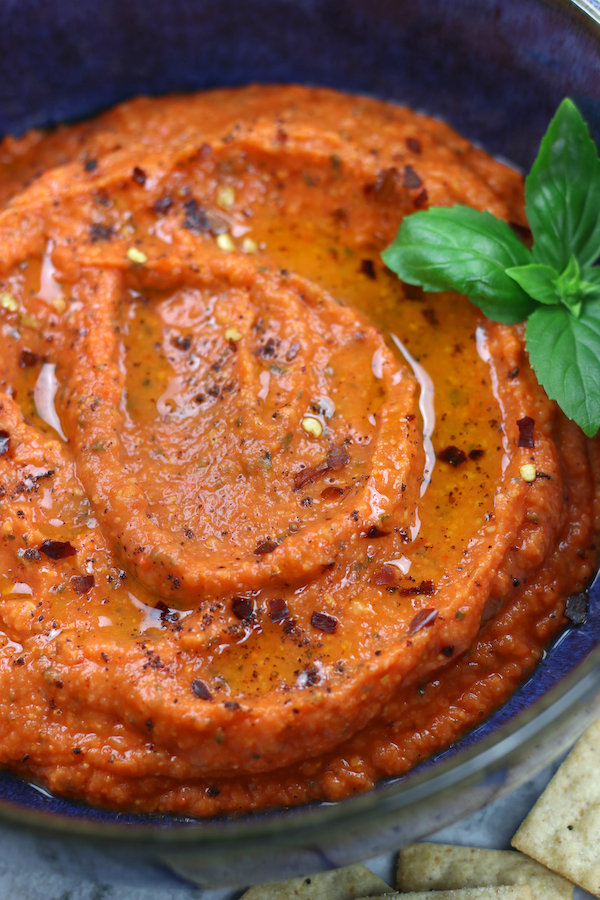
<point x="445" y="867"/>
<point x="562" y="831"/>
<point x="340" y="884"/>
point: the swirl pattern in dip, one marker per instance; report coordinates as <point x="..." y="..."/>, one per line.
<point x="265" y="532"/>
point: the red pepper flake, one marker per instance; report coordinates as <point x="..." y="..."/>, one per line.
<point x="324" y="622"/>
<point x="231" y="704"/>
<point x="139" y="176"/>
<point x="28" y="358"/>
<point x="423" y="619"/>
<point x="90" y="165"/>
<point x="421" y="199"/>
<point x="375" y="532"/>
<point x="367" y="268"/>
<point x="82" y="583"/>
<point x="195" y="219"/>
<point x="430" y="316"/>
<point x="201" y="690"/>
<point x="526" y="426"/>
<point x="100" y="232"/>
<point x="4" y="442"/>
<point x="168" y="616"/>
<point x="242" y="608"/>
<point x="58" y="549"/>
<point x="448" y="651"/>
<point x="453" y="456"/>
<point x="265" y="547"/>
<point x="411" y="180"/>
<point x="426" y="587"/>
<point x="162" y="205"/>
<point x="386" y="575"/>
<point x="386" y="185"/>
<point x="278" y="610"/>
<point x="413" y="144"/>
<point x="412" y="292"/>
<point x="512" y="373"/>
<point x="476" y="453"/>
<point x="336" y="459"/>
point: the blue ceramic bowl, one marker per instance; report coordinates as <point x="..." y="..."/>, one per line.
<point x="496" y="70"/>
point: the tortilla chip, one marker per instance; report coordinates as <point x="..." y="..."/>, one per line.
<point x="510" y="892"/>
<point x="562" y="831"/>
<point x="340" y="884"/>
<point x="444" y="867"/>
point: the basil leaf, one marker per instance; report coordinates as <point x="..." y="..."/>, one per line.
<point x="565" y="355"/>
<point x="591" y="275"/>
<point x="537" y="281"/>
<point x="461" y="249"/>
<point x="563" y="193"/>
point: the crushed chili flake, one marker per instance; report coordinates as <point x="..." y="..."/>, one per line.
<point x="452" y="455"/>
<point x="375" y="532"/>
<point x="448" y="651"/>
<point x="426" y="587"/>
<point x="138" y="175"/>
<point x="201" y="690"/>
<point x="411" y="180"/>
<point x="278" y="610"/>
<point x="421" y="199"/>
<point x="386" y="185"/>
<point x="28" y="358"/>
<point x="512" y="373"/>
<point x="100" y="232"/>
<point x="195" y="219"/>
<point x="324" y="622"/>
<point x="4" y="442"/>
<point x="476" y="453"/>
<point x="265" y="547"/>
<point x="241" y="607"/>
<point x="413" y="144"/>
<point x="168" y="616"/>
<point x="386" y="575"/>
<point x="526" y="426"/>
<point x="412" y="291"/>
<point x="162" y="205"/>
<point x="58" y="549"/>
<point x="430" y="316"/>
<point x="90" y="165"/>
<point x="423" y="619"/>
<point x="576" y="610"/>
<point x="82" y="583"/>
<point x="231" y="704"/>
<point x="337" y="457"/>
<point x="368" y="268"/>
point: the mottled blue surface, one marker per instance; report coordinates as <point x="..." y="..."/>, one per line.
<point x="496" y="69"/>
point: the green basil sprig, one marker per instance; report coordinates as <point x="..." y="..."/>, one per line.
<point x="555" y="286"/>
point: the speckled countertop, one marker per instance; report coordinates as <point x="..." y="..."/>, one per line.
<point x="45" y="868"/>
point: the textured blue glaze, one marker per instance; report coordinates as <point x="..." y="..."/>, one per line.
<point x="496" y="69"/>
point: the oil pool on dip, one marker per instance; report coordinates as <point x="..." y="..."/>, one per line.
<point x="274" y="525"/>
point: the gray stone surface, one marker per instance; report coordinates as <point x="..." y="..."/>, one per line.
<point x="45" y="868"/>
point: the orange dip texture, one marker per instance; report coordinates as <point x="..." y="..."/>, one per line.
<point x="264" y="534"/>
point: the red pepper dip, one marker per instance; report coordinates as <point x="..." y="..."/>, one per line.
<point x="273" y="525"/>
